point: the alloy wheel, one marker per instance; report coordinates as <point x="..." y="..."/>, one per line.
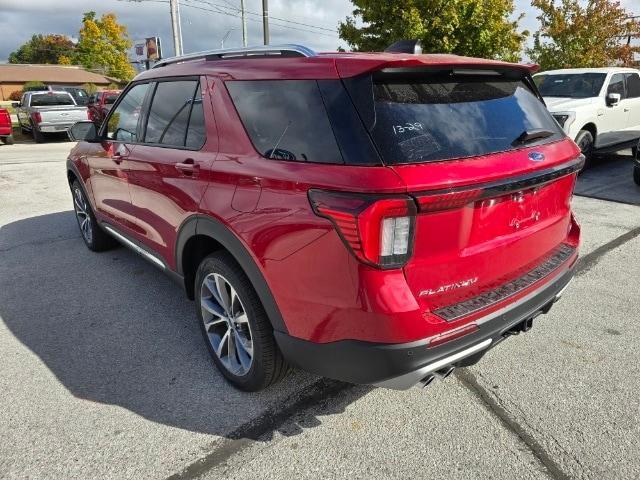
<point x="226" y="324"/>
<point x="82" y="214"/>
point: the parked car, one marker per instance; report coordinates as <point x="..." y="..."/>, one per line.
<point x="79" y="94"/>
<point x="100" y="103"/>
<point x="598" y="107"/>
<point x="41" y="112"/>
<point x="6" y="131"/>
<point x="375" y="218"/>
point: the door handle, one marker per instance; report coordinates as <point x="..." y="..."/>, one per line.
<point x="188" y="167"/>
<point x="626" y="109"/>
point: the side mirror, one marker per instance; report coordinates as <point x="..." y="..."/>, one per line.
<point x="16" y="104"/>
<point x="84" y="132"/>
<point x="613" y="99"/>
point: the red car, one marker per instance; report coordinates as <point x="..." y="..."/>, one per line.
<point x="6" y="131"/>
<point x="377" y="218"/>
<point x="100" y="103"/>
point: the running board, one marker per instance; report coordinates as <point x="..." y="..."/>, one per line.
<point x="135" y="247"/>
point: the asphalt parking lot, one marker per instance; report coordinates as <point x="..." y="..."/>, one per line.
<point x="103" y="373"/>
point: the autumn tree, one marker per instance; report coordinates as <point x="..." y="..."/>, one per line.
<point x="43" y="49"/>
<point x="578" y="34"/>
<point x="103" y="44"/>
<point x="479" y="28"/>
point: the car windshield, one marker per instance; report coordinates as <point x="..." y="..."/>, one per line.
<point x="51" y="99"/>
<point x="434" y="119"/>
<point x="570" y="85"/>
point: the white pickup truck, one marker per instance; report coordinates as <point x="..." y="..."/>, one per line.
<point x="41" y="112"/>
<point x="598" y="107"/>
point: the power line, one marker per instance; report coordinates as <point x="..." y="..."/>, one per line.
<point x="271" y="17"/>
<point x="222" y="12"/>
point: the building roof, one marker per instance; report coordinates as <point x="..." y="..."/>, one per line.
<point x="20" y="73"/>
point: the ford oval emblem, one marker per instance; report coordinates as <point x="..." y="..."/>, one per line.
<point x="536" y="156"/>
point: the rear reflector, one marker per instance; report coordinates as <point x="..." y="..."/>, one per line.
<point x="377" y="229"/>
<point x="452" y="335"/>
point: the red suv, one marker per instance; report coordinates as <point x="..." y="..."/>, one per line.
<point x="375" y="218"/>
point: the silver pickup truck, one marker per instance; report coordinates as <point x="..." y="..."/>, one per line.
<point x="48" y="112"/>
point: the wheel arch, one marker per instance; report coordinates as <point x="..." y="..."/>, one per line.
<point x="200" y="236"/>
<point x="591" y="128"/>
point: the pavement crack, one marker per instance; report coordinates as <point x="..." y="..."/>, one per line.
<point x="323" y="390"/>
<point x="591" y="259"/>
<point x="494" y="406"/>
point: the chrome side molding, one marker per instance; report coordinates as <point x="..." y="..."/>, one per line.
<point x="136" y="248"/>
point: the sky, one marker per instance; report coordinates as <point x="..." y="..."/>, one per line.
<point x="204" y="22"/>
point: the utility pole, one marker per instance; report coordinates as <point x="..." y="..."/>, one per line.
<point x="175" y="26"/>
<point x="244" y="24"/>
<point x="265" y="21"/>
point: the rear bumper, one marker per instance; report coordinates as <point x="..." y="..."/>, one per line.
<point x="400" y="366"/>
<point x="55" y="127"/>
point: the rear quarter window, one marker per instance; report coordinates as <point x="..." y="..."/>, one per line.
<point x="286" y="119"/>
<point x="446" y="118"/>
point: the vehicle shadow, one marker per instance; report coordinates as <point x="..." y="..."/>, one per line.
<point x="610" y="177"/>
<point x="114" y="330"/>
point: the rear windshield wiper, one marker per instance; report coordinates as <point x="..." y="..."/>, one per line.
<point x="531" y="135"/>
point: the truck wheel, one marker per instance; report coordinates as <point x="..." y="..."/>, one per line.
<point x="8" y="140"/>
<point x="584" y="139"/>
<point x="235" y="326"/>
<point x="636" y="174"/>
<point x="38" y="136"/>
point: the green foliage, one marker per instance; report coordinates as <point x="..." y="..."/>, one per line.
<point x="43" y="49"/>
<point x="479" y="28"/>
<point x="102" y="46"/>
<point x="34" y="85"/>
<point x="90" y="88"/>
<point x="574" y="33"/>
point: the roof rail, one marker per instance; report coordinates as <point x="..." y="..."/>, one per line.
<point x="287" y="50"/>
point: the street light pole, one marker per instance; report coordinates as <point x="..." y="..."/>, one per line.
<point x="175" y="26"/>
<point x="265" y="21"/>
<point x="244" y="24"/>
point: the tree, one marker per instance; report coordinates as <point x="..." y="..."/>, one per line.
<point x="480" y="28"/>
<point x="103" y="45"/>
<point x="573" y="35"/>
<point x="43" y="49"/>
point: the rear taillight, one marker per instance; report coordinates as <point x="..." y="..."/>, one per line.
<point x="36" y="117"/>
<point x="89" y="115"/>
<point x="377" y="229"/>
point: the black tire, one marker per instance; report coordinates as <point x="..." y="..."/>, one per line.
<point x="585" y="141"/>
<point x="636" y="174"/>
<point x="267" y="364"/>
<point x="8" y="140"/>
<point x="38" y="136"/>
<point x="98" y="240"/>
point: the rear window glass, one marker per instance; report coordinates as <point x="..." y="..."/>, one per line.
<point x="286" y="119"/>
<point x="110" y="99"/>
<point x="169" y="113"/>
<point x="440" y="119"/>
<point x="51" y="99"/>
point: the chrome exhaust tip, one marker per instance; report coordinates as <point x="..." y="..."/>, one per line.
<point x="426" y="381"/>
<point x="445" y="372"/>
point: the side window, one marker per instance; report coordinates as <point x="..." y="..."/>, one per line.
<point x="616" y="85"/>
<point x="286" y="119"/>
<point x="633" y="85"/>
<point x="169" y="113"/>
<point x="196" y="131"/>
<point x="123" y="121"/>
